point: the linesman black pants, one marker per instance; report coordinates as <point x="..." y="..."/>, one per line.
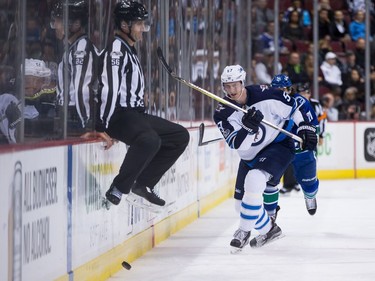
<point x="154" y="146"/>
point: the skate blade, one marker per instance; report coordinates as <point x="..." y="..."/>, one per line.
<point x="282" y="235"/>
<point x="235" y="250"/>
<point x="136" y="202"/>
<point x="106" y="204"/>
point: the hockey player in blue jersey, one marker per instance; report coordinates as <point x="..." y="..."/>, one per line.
<point x="304" y="163"/>
<point x="265" y="152"/>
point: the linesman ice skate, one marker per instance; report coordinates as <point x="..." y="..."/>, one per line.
<point x="146" y="198"/>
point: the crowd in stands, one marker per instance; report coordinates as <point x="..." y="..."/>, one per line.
<point x="341" y="33"/>
<point x="341" y="57"/>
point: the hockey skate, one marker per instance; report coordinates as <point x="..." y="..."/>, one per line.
<point x="311" y="205"/>
<point x="274" y="234"/>
<point x="145" y="198"/>
<point x="113" y="195"/>
<point x="240" y="239"/>
<point x="288" y="190"/>
<point x="274" y="217"/>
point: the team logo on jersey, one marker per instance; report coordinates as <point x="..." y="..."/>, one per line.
<point x="263" y="87"/>
<point x="115" y="58"/>
<point x="370" y="144"/>
<point x="78" y="57"/>
<point x="116" y="54"/>
<point x="220" y="107"/>
<point x="225" y="132"/>
<point x="259" y="136"/>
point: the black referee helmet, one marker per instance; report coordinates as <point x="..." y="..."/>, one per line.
<point x="129" y="11"/>
<point x="77" y="10"/>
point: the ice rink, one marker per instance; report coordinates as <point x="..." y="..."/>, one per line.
<point x="338" y="243"/>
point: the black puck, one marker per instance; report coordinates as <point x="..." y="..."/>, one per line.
<point x="126" y="265"/>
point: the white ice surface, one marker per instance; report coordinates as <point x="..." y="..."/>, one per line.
<point x="337" y="244"/>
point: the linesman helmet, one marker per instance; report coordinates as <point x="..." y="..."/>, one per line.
<point x="129" y="11"/>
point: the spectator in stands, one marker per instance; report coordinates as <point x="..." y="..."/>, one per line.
<point x="356" y="80"/>
<point x="261" y="15"/>
<point x="339" y="28"/>
<point x="324" y="48"/>
<point x="357" y="27"/>
<point x="350" y="63"/>
<point x="331" y="73"/>
<point x="360" y="48"/>
<point x="266" y="40"/>
<point x="358" y="5"/>
<point x="308" y="64"/>
<point x="304" y="15"/>
<point x="295" y="70"/>
<point x="326" y="5"/>
<point x="350" y="108"/>
<point x="328" y="102"/>
<point x="264" y="69"/>
<point x="292" y="29"/>
<point x="324" y="23"/>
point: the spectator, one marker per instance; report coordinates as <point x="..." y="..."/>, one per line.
<point x="357" y="81"/>
<point x="308" y="64"/>
<point x="350" y="63"/>
<point x="304" y="15"/>
<point x="264" y="70"/>
<point x="328" y="102"/>
<point x="266" y="40"/>
<point x="350" y="108"/>
<point x="324" y="23"/>
<point x="261" y="16"/>
<point x="331" y="72"/>
<point x="295" y="70"/>
<point x="360" y="49"/>
<point x="357" y="27"/>
<point x="358" y="5"/>
<point x="292" y="29"/>
<point x="326" y="5"/>
<point x="339" y="29"/>
<point x="324" y="48"/>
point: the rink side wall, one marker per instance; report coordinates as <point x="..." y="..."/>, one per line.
<point x="53" y="225"/>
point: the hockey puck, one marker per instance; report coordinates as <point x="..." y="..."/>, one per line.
<point x="126" y="265"/>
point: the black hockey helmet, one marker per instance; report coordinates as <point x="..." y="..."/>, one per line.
<point x="129" y="11"/>
<point x="77" y="10"/>
<point x="302" y="87"/>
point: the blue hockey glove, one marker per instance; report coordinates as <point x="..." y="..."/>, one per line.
<point x="308" y="134"/>
<point x="251" y="120"/>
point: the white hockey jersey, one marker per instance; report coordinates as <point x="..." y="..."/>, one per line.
<point x="277" y="107"/>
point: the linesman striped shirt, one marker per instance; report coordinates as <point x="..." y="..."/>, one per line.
<point x="121" y="81"/>
<point x="321" y="115"/>
<point x="81" y="62"/>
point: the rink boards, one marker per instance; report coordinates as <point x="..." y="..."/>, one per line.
<point x="51" y="211"/>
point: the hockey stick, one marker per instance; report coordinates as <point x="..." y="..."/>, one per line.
<point x="201" y="134"/>
<point x="217" y="98"/>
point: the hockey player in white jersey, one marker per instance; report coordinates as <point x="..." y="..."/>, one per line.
<point x="266" y="151"/>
